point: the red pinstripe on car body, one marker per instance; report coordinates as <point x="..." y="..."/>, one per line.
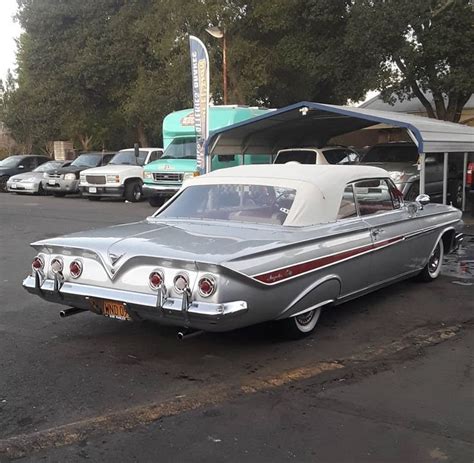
<point x="278" y="275"/>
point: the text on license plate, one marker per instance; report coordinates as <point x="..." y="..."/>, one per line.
<point x="51" y="182"/>
<point x="92" y="189"/>
<point x="115" y="309"/>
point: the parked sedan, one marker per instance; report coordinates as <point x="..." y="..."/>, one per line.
<point x="65" y="180"/>
<point x="250" y="244"/>
<point x="18" y="164"/>
<point x="30" y="182"/>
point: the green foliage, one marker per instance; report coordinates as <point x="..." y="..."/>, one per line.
<point x="105" y="73"/>
<point x="418" y="47"/>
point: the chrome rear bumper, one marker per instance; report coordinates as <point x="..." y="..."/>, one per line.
<point x="140" y="306"/>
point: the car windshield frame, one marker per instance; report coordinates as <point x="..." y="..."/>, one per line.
<point x="97" y="158"/>
<point x="171" y="151"/>
<point x="231" y="203"/>
<point x="140" y="161"/>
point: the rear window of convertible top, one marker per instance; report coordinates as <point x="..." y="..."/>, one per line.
<point x="232" y="202"/>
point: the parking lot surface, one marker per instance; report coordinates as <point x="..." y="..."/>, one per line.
<point x="385" y="378"/>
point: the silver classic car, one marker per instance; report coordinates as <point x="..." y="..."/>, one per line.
<point x="251" y="244"/>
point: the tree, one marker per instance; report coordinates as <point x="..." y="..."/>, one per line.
<point x="419" y="47"/>
<point x="283" y="51"/>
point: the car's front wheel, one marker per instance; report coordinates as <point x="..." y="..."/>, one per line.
<point x="432" y="269"/>
<point x="133" y="192"/>
<point x="301" y="325"/>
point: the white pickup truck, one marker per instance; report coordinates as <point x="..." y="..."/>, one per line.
<point x="122" y="177"/>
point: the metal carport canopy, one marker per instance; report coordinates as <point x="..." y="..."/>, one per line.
<point x="306" y="123"/>
<point x="314" y="124"/>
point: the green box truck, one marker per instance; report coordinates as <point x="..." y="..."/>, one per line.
<point x="162" y="178"/>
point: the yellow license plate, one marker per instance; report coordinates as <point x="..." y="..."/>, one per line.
<point x="114" y="309"/>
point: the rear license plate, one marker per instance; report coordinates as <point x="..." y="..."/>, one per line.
<point x="114" y="309"/>
<point x="51" y="182"/>
<point x="92" y="189"/>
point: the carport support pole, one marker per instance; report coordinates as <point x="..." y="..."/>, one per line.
<point x="464" y="175"/>
<point x="422" y="173"/>
<point x="445" y="178"/>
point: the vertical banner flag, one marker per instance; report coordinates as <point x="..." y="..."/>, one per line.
<point x="200" y="74"/>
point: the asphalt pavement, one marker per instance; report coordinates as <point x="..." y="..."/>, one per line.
<point x="385" y="378"/>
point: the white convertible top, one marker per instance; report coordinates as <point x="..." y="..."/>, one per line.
<point x="319" y="188"/>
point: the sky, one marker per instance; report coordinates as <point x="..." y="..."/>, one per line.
<point x="9" y="31"/>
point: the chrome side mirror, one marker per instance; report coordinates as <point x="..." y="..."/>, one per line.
<point x="422" y="200"/>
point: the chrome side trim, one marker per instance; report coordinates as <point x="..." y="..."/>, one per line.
<point x="374" y="248"/>
<point x="312" y="287"/>
<point x="316" y="306"/>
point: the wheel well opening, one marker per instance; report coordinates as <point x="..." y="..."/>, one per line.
<point x="448" y="238"/>
<point x="132" y="180"/>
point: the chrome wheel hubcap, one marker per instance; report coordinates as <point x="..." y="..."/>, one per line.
<point x="434" y="261"/>
<point x="305" y="318"/>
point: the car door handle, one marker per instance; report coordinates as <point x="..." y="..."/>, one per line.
<point x="377" y="231"/>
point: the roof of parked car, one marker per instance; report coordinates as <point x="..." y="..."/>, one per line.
<point x="319" y="187"/>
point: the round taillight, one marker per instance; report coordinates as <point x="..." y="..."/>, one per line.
<point x="57" y="265"/>
<point x="207" y="286"/>
<point x="75" y="269"/>
<point x="37" y="264"/>
<point x="155" y="279"/>
<point x="181" y="282"/>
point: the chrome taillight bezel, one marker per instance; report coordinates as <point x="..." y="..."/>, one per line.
<point x="41" y="260"/>
<point x="61" y="263"/>
<point x="211" y="281"/>
<point x="162" y="279"/>
<point x="178" y="276"/>
<point x="81" y="267"/>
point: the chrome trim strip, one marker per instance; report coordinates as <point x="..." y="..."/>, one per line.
<point x="316" y="306"/>
<point x="198" y="308"/>
<point x="375" y="247"/>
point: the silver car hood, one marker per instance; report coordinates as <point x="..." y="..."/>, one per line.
<point x="394" y="166"/>
<point x="189" y="241"/>
<point x="23" y="175"/>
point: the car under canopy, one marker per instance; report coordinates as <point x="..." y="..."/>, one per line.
<point x="314" y="124"/>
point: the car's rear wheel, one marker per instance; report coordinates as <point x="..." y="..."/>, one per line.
<point x="3" y="183"/>
<point x="435" y="262"/>
<point x="133" y="192"/>
<point x="301" y="325"/>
